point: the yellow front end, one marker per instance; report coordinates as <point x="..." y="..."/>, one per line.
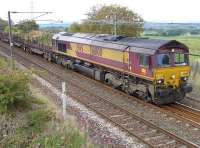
<point x="171" y="84"/>
<point x="171" y="76"/>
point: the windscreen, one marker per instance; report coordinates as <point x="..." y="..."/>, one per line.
<point x="181" y="59"/>
<point x="163" y="60"/>
<point x="170" y="59"/>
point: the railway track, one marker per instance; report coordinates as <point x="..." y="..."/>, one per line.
<point x="184" y="112"/>
<point x="197" y="111"/>
<point x="192" y="102"/>
<point x="193" y="99"/>
<point x="133" y="124"/>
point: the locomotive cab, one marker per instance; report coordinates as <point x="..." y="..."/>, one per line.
<point x="171" y="73"/>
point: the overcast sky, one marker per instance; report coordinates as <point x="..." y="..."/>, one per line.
<point x="75" y="10"/>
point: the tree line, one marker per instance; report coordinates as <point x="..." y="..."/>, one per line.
<point x="171" y="32"/>
<point x="108" y="19"/>
<point x="22" y="27"/>
<point x="111" y="19"/>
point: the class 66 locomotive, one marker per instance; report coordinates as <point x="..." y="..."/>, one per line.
<point x="154" y="70"/>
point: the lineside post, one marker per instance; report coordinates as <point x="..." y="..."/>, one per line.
<point x="64" y="101"/>
<point x="10" y="38"/>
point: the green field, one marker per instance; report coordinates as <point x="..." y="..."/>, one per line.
<point x="193" y="41"/>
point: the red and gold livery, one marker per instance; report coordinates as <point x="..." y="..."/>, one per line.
<point x="156" y="70"/>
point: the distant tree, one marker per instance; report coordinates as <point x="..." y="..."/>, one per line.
<point x="3" y="24"/>
<point x="195" y="31"/>
<point x="67" y="29"/>
<point x="26" y="26"/>
<point x="173" y="32"/>
<point x="101" y="19"/>
<point x="75" y="27"/>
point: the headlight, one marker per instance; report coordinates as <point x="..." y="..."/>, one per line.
<point x="160" y="81"/>
<point x="173" y="76"/>
<point x="184" y="78"/>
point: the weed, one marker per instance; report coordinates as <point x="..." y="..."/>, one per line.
<point x="36" y="120"/>
<point x="66" y="136"/>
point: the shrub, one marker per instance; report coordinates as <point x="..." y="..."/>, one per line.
<point x="13" y="87"/>
<point x="36" y="120"/>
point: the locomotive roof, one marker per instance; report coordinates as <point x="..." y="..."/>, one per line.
<point x="139" y="45"/>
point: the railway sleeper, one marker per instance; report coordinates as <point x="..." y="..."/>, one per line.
<point x="148" y="131"/>
<point x="166" y="142"/>
<point x="154" y="136"/>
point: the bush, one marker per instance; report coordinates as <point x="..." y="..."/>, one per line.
<point x="13" y="87"/>
<point x="36" y="120"/>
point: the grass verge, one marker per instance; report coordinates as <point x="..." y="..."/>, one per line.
<point x="43" y="127"/>
<point x="30" y="119"/>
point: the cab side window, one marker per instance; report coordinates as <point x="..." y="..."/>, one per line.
<point x="61" y="47"/>
<point x="143" y="60"/>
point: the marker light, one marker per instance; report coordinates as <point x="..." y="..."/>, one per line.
<point x="160" y="81"/>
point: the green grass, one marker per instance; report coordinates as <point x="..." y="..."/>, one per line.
<point x="43" y="128"/>
<point x="36" y="120"/>
<point x="66" y="136"/>
<point x="193" y="41"/>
